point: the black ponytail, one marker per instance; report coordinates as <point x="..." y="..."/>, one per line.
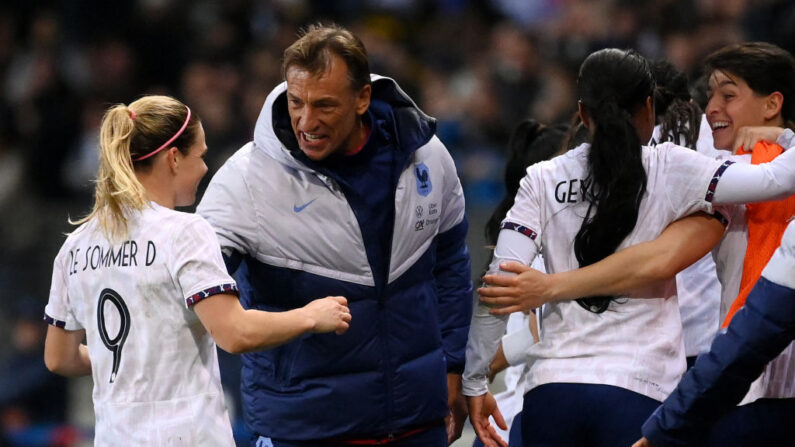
<point x="678" y="116"/>
<point x="613" y="85"/>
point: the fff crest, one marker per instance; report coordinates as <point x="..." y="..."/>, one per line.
<point x="423" y="175"/>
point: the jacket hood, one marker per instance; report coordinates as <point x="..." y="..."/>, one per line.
<point x="414" y="128"/>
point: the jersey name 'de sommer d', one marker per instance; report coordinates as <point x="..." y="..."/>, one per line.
<point x="154" y="366"/>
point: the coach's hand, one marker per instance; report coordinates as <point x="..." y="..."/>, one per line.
<point x="329" y="314"/>
<point x="643" y="442"/>
<point x="458" y="408"/>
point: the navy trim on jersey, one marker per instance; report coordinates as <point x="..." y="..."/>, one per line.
<point x="713" y="184"/>
<point x="206" y="293"/>
<point x="54" y="322"/>
<point x="520" y="228"/>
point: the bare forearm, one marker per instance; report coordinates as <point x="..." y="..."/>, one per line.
<point x="82" y="365"/>
<point x="238" y="330"/>
<point x="680" y="245"/>
<point x="254" y="330"/>
<point x="265" y="330"/>
<point x="618" y="274"/>
<point x="64" y="354"/>
<point x="76" y="366"/>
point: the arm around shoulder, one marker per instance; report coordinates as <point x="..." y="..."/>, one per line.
<point x="682" y="243"/>
<point x="743" y="183"/>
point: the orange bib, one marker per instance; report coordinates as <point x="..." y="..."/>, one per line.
<point x="766" y="224"/>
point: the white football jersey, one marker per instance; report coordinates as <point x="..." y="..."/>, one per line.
<point x="697" y="286"/>
<point x="637" y="343"/>
<point x="699" y="292"/>
<point x="154" y="366"/>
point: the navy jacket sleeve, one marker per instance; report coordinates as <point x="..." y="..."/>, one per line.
<point x="721" y="377"/>
<point x="452" y="273"/>
<point x="232" y="261"/>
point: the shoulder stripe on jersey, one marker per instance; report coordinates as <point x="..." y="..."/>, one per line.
<point x="520" y="228"/>
<point x="206" y="293"/>
<point x="54" y="322"/>
<point x="713" y="184"/>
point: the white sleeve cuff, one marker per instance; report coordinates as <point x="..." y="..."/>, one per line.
<point x="786" y="139"/>
<point x="474" y="387"/>
<point x="516" y="344"/>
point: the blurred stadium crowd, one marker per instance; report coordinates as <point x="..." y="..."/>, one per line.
<point x="479" y="67"/>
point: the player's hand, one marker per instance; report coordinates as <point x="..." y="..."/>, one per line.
<point x="748" y="136"/>
<point x="643" y="442"/>
<point x="480" y="408"/>
<point x="458" y="408"/>
<point x="329" y="314"/>
<point x="527" y="290"/>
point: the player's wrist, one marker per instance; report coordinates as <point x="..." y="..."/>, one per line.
<point x="307" y="322"/>
<point x="556" y="288"/>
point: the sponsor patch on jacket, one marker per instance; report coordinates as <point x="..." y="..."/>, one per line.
<point x="423" y="175"/>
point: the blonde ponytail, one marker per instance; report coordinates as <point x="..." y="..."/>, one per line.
<point x="127" y="132"/>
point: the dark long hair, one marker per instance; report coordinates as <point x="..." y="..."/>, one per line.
<point x="674" y="110"/>
<point x="530" y="143"/>
<point x="613" y="85"/>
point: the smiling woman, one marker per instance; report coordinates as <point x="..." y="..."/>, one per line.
<point x="748" y="85"/>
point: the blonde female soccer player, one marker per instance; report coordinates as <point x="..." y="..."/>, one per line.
<point x="147" y="289"/>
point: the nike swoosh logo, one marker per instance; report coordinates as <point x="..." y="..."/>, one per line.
<point x="298" y="209"/>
